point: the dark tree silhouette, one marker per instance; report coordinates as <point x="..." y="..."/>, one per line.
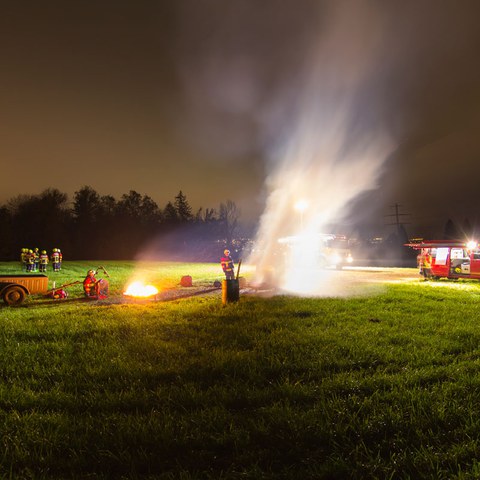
<point x="139" y="216"/>
<point x="467" y="228"/>
<point x="6" y="234"/>
<point x="208" y="215"/>
<point x="86" y="205"/>
<point x="130" y="205"/>
<point x="450" y="231"/>
<point x="41" y="221"/>
<point x="108" y="206"/>
<point x="228" y="219"/>
<point x="106" y="228"/>
<point x="170" y="214"/>
<point x="86" y="211"/>
<point x="184" y="211"/>
<point x="100" y="227"/>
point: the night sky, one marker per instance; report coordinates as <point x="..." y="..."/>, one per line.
<point x="197" y="95"/>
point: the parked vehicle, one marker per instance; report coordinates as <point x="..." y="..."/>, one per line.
<point x="329" y="250"/>
<point x="15" y="288"/>
<point x="450" y="258"/>
<point x="336" y="251"/>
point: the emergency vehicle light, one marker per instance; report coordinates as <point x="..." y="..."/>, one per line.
<point x="472" y="245"/>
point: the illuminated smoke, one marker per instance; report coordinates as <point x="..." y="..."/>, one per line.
<point x="334" y="152"/>
<point x="310" y="87"/>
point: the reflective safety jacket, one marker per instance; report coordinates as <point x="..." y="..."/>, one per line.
<point x="227" y="264"/>
<point x="427" y="261"/>
<point x="90" y="286"/>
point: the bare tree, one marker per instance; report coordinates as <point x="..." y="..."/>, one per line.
<point x="229" y="214"/>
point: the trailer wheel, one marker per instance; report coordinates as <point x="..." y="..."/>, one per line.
<point x="14" y="295"/>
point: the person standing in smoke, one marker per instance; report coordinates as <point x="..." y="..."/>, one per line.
<point x="227" y="265"/>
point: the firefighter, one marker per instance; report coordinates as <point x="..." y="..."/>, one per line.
<point x="420" y="262"/>
<point x="30" y="261"/>
<point x="427" y="266"/>
<point x="90" y="284"/>
<point x="55" y="258"/>
<point x="227" y="265"/>
<point x="36" y="259"/>
<point x="23" y="258"/>
<point x="60" y="259"/>
<point x="43" y="260"/>
<point x="94" y="288"/>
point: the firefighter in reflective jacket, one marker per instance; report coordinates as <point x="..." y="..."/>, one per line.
<point x="227" y="265"/>
<point x="94" y="288"/>
<point x="36" y="259"/>
<point x="55" y="258"/>
<point x="43" y="261"/>
<point x="24" y="258"/>
<point x="30" y="261"/>
<point x="60" y="259"/>
<point x="90" y="284"/>
<point x="427" y="265"/>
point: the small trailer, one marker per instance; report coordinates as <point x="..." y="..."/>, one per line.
<point x="15" y="288"/>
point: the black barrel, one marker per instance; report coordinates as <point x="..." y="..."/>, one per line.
<point x="230" y="291"/>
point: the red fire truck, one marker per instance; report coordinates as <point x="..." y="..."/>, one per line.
<point x="450" y="258"/>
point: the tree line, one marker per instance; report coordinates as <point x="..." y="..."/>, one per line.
<point x="95" y="226"/>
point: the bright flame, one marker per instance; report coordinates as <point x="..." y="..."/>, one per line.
<point x="138" y="289"/>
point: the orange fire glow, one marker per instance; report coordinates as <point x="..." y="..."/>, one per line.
<point x="138" y="289"/>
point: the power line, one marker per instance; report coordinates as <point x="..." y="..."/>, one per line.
<point x="398" y="223"/>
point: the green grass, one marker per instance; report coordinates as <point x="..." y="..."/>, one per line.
<point x="371" y="387"/>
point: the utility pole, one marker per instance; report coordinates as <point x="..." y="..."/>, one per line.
<point x="397" y="215"/>
<point x="398" y="223"/>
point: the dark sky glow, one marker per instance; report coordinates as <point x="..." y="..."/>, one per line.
<point x="198" y="95"/>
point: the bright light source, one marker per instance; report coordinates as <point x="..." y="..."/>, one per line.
<point x="335" y="259"/>
<point x="301" y="206"/>
<point x="472" y="245"/>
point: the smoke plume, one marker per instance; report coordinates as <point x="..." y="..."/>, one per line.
<point x="330" y="153"/>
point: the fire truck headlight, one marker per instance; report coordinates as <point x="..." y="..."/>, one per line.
<point x="349" y="259"/>
<point x="335" y="259"/>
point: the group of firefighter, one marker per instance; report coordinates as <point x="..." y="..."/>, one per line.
<point x="34" y="260"/>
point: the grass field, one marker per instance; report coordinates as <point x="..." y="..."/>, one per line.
<point x="370" y="387"/>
